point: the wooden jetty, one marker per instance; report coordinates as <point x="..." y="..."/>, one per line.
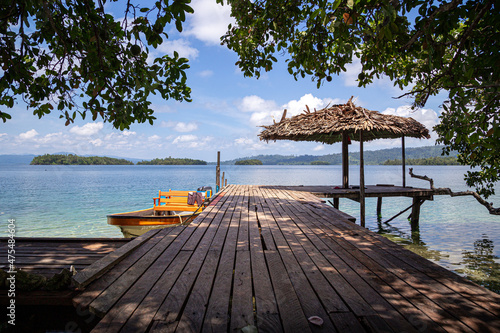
<point x="48" y="256"/>
<point x="379" y="191"/>
<point x="270" y="258"/>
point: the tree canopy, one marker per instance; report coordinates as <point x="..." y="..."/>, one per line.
<point x="424" y="46"/>
<point x="248" y="162"/>
<point x="75" y="57"/>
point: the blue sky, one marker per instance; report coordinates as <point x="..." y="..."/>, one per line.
<point x="226" y="111"/>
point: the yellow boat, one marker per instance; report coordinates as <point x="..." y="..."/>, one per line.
<point x="170" y="209"/>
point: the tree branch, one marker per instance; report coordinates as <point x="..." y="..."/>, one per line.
<point x="468" y="32"/>
<point x="442" y="190"/>
<point x="444" y="8"/>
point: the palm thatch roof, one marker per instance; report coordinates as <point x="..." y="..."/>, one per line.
<point x="328" y="124"/>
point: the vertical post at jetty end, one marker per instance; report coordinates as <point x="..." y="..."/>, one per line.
<point x="217" y="173"/>
<point x="361" y="180"/>
<point x="345" y="160"/>
<point x="403" y="160"/>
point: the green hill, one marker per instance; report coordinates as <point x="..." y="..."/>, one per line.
<point x="372" y="157"/>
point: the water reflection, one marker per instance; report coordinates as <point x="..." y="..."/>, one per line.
<point x="481" y="265"/>
<point x="410" y="241"/>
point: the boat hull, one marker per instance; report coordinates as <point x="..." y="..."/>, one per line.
<point x="133" y="224"/>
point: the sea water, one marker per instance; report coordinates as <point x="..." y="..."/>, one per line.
<point x="73" y="201"/>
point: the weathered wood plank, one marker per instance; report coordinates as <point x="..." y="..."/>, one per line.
<point x="84" y="299"/>
<point x="217" y="315"/>
<point x="389" y="290"/>
<point x="197" y="303"/>
<point x="242" y="307"/>
<point x="267" y="315"/>
<point x="271" y="257"/>
<point x="101" y="266"/>
<point x="155" y="295"/>
<point x="169" y="311"/>
<point x="292" y="316"/>
<point x="101" y="305"/>
<point x="298" y="244"/>
<point x="127" y="316"/>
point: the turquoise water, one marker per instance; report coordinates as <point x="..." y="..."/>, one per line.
<point x="73" y="201"/>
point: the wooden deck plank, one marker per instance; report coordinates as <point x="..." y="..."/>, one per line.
<point x="376" y="276"/>
<point x="367" y="291"/>
<point x="297" y="241"/>
<point x="242" y="298"/>
<point x="309" y="298"/>
<point x="169" y="311"/>
<point x="468" y="289"/>
<point x="86" y="276"/>
<point x="460" y="307"/>
<point x="91" y="292"/>
<point x="266" y="312"/>
<point x="241" y="305"/>
<point x="291" y="313"/>
<point x="145" y="310"/>
<point x="271" y="257"/>
<point x="197" y="304"/>
<point x="217" y="315"/>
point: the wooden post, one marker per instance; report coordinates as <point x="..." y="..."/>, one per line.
<point x="361" y="180"/>
<point x="415" y="213"/>
<point x="223" y="177"/>
<point x="225" y="184"/>
<point x="403" y="160"/>
<point x="345" y="160"/>
<point x="336" y="203"/>
<point x="379" y="206"/>
<point x="217" y="173"/>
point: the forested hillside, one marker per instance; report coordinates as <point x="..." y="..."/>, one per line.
<point x="172" y="161"/>
<point x="374" y="157"/>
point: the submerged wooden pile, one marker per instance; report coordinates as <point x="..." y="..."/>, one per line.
<point x="328" y="124"/>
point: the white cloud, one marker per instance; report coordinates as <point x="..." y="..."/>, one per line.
<point x="192" y="141"/>
<point x="88" y="129"/>
<point x="319" y="148"/>
<point x="206" y="73"/>
<point x="182" y="46"/>
<point x="128" y="133"/>
<point x="255" y="103"/>
<point x="428" y="117"/>
<point x="264" y="111"/>
<point x="249" y="144"/>
<point x="29" y="135"/>
<point x="162" y="108"/>
<point x="154" y="138"/>
<point x="185" y="138"/>
<point x="96" y="142"/>
<point x="209" y="21"/>
<point x="180" y="126"/>
<point x="350" y="76"/>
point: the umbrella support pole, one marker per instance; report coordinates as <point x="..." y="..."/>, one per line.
<point x="361" y="180"/>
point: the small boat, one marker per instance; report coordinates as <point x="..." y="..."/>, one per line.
<point x="170" y="209"/>
<point x="133" y="224"/>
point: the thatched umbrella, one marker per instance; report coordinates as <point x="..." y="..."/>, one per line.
<point x="345" y="122"/>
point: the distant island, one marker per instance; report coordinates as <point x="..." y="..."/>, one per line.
<point x="449" y="160"/>
<point x="70" y="159"/>
<point x="172" y="161"/>
<point x="248" y="162"/>
<point x="320" y="163"/>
